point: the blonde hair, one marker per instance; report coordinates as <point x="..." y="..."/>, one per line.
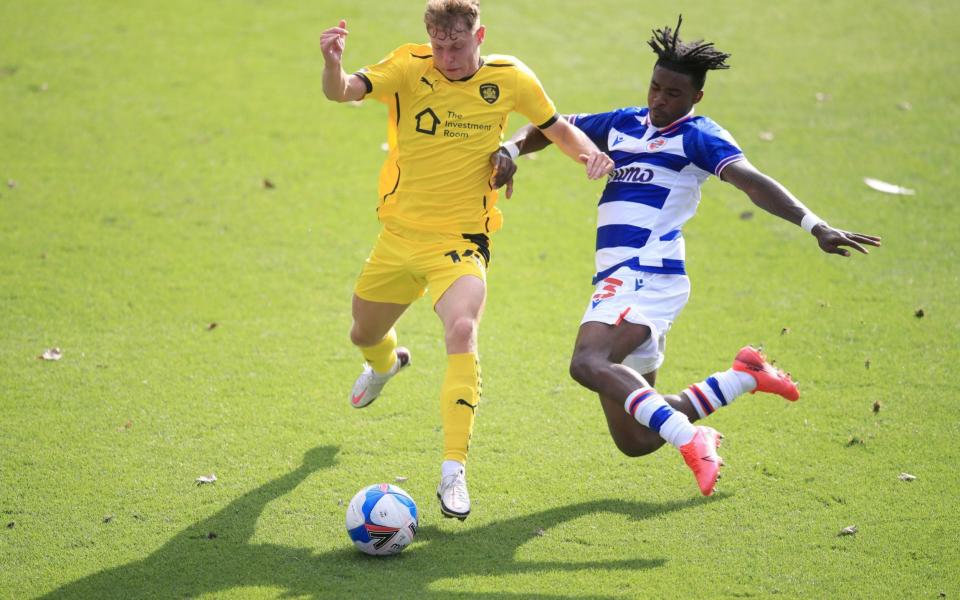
<point x="446" y="18"/>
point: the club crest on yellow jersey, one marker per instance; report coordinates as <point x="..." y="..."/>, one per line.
<point x="489" y="92"/>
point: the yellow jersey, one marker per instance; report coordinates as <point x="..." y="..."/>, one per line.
<point x="441" y="133"/>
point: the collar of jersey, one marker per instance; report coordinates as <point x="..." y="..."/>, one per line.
<point x="467" y="78"/>
<point x="669" y="128"/>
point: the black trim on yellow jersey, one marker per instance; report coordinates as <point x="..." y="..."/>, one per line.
<point x="395" y="185"/>
<point x="550" y="121"/>
<point x="468" y="77"/>
<point x="396" y="96"/>
<point x="503" y="65"/>
<point x="421" y="56"/>
<point x="482" y="242"/>
<point x="366" y="81"/>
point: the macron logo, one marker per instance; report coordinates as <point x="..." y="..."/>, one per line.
<point x="616" y="140"/>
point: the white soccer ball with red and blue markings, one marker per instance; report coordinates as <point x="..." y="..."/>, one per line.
<point x="382" y="519"/>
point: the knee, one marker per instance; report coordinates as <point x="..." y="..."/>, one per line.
<point x="462" y="331"/>
<point x="362" y="338"/>
<point x="584" y="370"/>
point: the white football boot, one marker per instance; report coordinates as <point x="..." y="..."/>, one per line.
<point x="453" y="495"/>
<point x="370" y="383"/>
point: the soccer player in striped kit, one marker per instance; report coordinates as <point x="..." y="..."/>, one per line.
<point x="448" y="106"/>
<point x="663" y="154"/>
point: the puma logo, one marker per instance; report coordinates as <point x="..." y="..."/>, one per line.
<point x="426" y="81"/>
<point x="472" y="407"/>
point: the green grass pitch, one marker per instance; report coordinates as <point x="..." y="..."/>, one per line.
<point x="135" y="142"/>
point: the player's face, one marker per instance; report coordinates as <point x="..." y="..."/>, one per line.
<point x="671" y="96"/>
<point x="456" y="54"/>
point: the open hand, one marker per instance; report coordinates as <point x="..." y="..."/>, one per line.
<point x="503" y="170"/>
<point x="832" y="240"/>
<point x="598" y="164"/>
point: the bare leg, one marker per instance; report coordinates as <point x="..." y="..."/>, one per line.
<point x="599" y="350"/>
<point x="460" y="309"/>
<point x="373" y="320"/>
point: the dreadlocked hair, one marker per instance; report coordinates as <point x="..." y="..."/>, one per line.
<point x="691" y="58"/>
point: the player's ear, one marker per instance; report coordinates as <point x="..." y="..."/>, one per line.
<point x="698" y="96"/>
<point x="481" y="32"/>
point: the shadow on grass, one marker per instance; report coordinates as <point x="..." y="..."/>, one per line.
<point x="191" y="564"/>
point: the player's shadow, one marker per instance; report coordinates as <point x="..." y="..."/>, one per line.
<point x="191" y="564"/>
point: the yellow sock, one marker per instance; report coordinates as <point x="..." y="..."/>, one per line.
<point x="459" y="399"/>
<point x="381" y="355"/>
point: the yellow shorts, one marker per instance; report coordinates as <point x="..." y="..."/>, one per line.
<point x="405" y="263"/>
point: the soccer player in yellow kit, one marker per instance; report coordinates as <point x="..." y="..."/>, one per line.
<point x="448" y="108"/>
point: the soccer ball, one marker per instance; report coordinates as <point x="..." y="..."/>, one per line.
<point x="382" y="519"/>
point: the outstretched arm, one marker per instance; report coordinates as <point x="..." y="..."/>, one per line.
<point x="767" y="193"/>
<point x="530" y="139"/>
<point x="575" y="144"/>
<point x="337" y="85"/>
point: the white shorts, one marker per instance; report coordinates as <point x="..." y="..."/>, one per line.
<point x="647" y="299"/>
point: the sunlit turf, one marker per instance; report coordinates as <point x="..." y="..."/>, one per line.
<point x="135" y="145"/>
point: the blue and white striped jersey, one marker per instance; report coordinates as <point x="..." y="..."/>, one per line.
<point x="655" y="185"/>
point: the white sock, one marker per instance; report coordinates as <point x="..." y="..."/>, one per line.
<point x="451" y="467"/>
<point x="720" y="389"/>
<point x="652" y="411"/>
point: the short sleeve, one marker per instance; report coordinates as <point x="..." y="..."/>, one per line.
<point x="597" y="125"/>
<point x="711" y="147"/>
<point x="532" y="99"/>
<point x="385" y="78"/>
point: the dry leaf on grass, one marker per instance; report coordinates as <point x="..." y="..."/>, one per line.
<point x="906" y="477"/>
<point x="887" y="188"/>
<point x="206" y="479"/>
<point x="746" y="215"/>
<point x="851" y="530"/>
<point x="11" y="183"/>
<point x="766" y="136"/>
<point x="919" y="313"/>
<point x="539" y="532"/>
<point x="400" y="478"/>
<point x="267" y="184"/>
<point x="212" y="326"/>
<point x="876" y="406"/>
<point x="51" y="354"/>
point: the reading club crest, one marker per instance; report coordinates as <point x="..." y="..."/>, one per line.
<point x="656" y="145"/>
<point x="489" y="92"/>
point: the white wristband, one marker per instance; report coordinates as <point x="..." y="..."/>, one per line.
<point x="810" y="221"/>
<point x="512" y="149"/>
